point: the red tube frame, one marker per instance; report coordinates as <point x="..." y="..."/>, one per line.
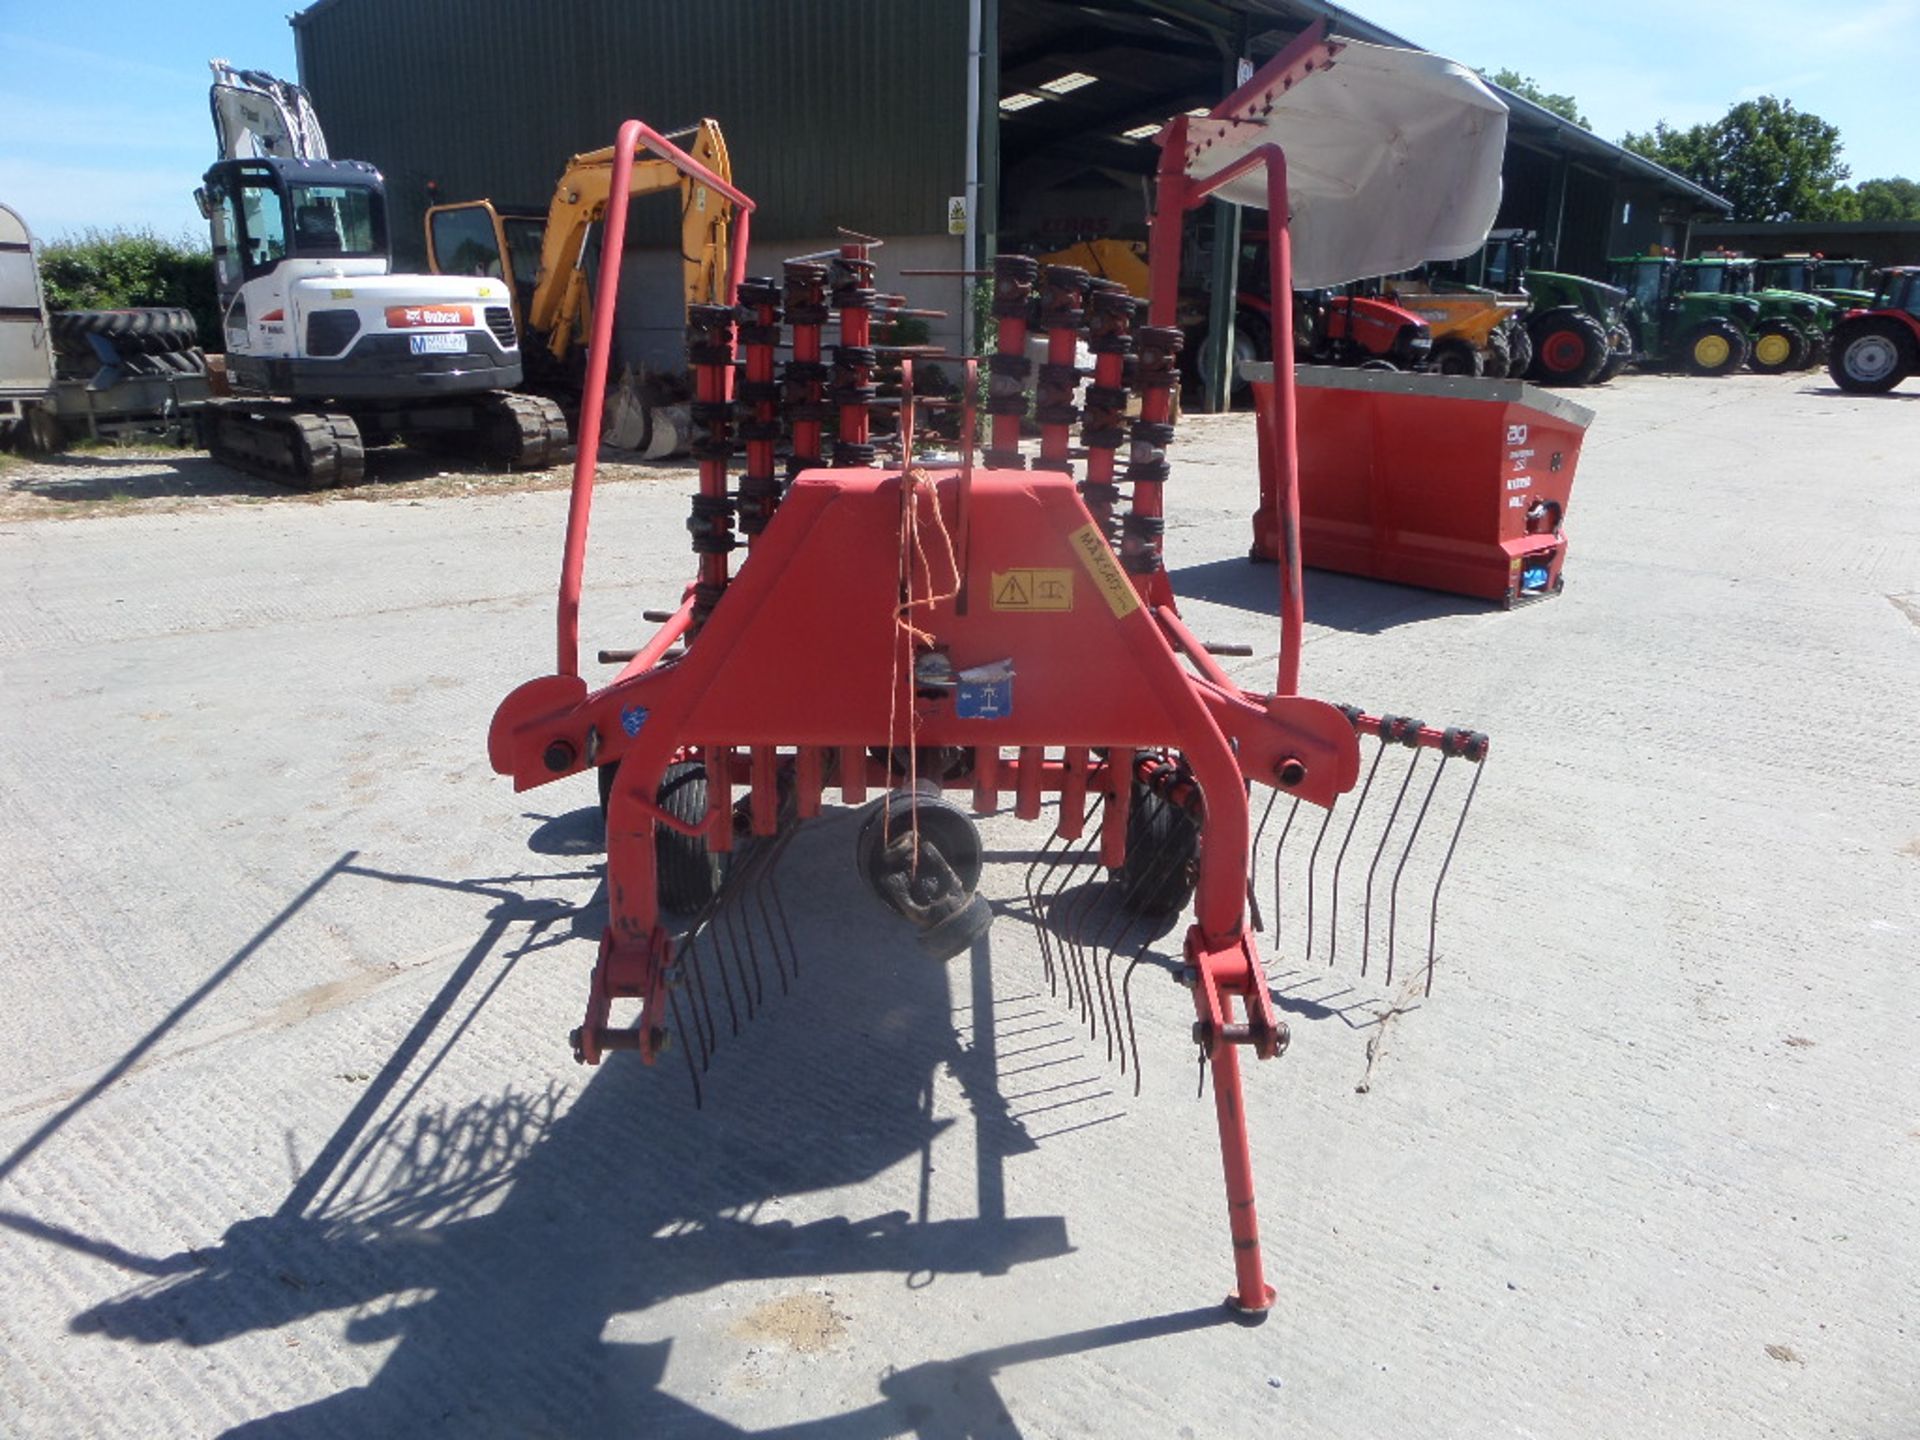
<point x="633" y="133"/>
<point x="1176" y="193"/>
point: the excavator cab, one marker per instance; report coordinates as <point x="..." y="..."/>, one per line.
<point x="472" y="237"/>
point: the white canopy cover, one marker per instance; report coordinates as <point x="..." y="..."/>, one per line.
<point x="1393" y="159"/>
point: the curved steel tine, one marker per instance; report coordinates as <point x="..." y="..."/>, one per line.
<point x="676" y="979"/>
<point x="749" y="881"/>
<point x="1126" y="991"/>
<point x="1433" y="916"/>
<point x="1034" y="912"/>
<point x="1073" y="963"/>
<point x="727" y="917"/>
<point x="1122" y="924"/>
<point x="779" y="905"/>
<point x="1253" y="864"/>
<point x="1313" y="870"/>
<point x="1339" y="860"/>
<point x="693" y="1074"/>
<point x="1280" y="846"/>
<point x="761" y="882"/>
<point x="1379" y="850"/>
<point x="1393" y="891"/>
<point x="724" y="950"/>
<point x="703" y="928"/>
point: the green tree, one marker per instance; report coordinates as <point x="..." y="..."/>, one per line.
<point x="1772" y="161"/>
<point x="1525" y="86"/>
<point x="1894" y="198"/>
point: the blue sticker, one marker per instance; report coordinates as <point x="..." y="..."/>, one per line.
<point x="984" y="699"/>
<point x="632" y="718"/>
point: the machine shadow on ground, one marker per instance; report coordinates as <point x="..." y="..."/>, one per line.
<point x="492" y="1242"/>
<point x="1339" y="602"/>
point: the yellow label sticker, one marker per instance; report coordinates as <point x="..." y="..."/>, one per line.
<point x="1108" y="578"/>
<point x="343" y="294"/>
<point x="1046" y="591"/>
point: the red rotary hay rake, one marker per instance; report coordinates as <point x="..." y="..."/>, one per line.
<point x="912" y="628"/>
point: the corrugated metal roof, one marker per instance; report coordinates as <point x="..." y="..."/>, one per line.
<point x="836" y="112"/>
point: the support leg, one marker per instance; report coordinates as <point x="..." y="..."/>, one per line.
<point x="1252" y="1295"/>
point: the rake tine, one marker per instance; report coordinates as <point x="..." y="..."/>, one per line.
<point x="1433" y="916"/>
<point x="1033" y="910"/>
<point x="682" y="953"/>
<point x="737" y="913"/>
<point x="693" y="1073"/>
<point x="703" y="928"/>
<point x="1353" y="824"/>
<point x="1313" y="872"/>
<point x="761" y="882"/>
<point x="739" y="876"/>
<point x="1073" y="964"/>
<point x="687" y="953"/>
<point x="1126" y="991"/>
<point x="773" y="888"/>
<point x="1112" y="939"/>
<point x="711" y="932"/>
<point x="1279" y="846"/>
<point x="1393" y="893"/>
<point x="1253" y="864"/>
<point x="1366" y="934"/>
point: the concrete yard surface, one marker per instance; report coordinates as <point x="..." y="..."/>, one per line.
<point x="293" y="1144"/>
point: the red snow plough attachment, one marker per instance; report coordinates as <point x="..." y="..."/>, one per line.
<point x="905" y="630"/>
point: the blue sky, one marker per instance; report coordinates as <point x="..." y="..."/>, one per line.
<point x="103" y="105"/>
<point x="1631" y="62"/>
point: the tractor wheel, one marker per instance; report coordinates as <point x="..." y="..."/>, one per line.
<point x="1519" y="352"/>
<point x="152" y="328"/>
<point x="36" y="432"/>
<point x="1779" y="346"/>
<point x="1499" y="355"/>
<point x="1869" y="357"/>
<point x="1454" y="356"/>
<point x="1713" y="347"/>
<point x="689" y="872"/>
<point x="1251" y="341"/>
<point x="1619" y="354"/>
<point x="1569" y="348"/>
<point x="1163" y="848"/>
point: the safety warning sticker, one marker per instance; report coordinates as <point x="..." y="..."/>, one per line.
<point x="1043" y="590"/>
<point x="1113" y="586"/>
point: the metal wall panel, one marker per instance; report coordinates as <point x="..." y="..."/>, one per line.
<point x="836" y="112"/>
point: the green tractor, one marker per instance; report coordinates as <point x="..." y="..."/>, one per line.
<point x="1794" y="328"/>
<point x="1701" y="333"/>
<point x="1847" y="283"/>
<point x="1575" y="330"/>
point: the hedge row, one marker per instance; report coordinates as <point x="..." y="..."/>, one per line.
<point x="119" y="269"/>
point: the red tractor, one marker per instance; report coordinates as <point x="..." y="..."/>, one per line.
<point x="1876" y="348"/>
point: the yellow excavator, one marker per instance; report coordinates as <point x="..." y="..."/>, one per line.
<point x="544" y="256"/>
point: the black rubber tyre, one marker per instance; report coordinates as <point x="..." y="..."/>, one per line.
<point x="689" y="872"/>
<point x="1378" y="364"/>
<point x="1519" y="352"/>
<point x="1252" y="340"/>
<point x="1778" y="347"/>
<point x="1499" y="354"/>
<point x="1871" y="356"/>
<point x="1163" y="849"/>
<point x="1714" y="348"/>
<point x="1454" y="356"/>
<point x="1569" y="348"/>
<point x="36" y="432"/>
<point x="1619" y="354"/>
<point x="147" y="328"/>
